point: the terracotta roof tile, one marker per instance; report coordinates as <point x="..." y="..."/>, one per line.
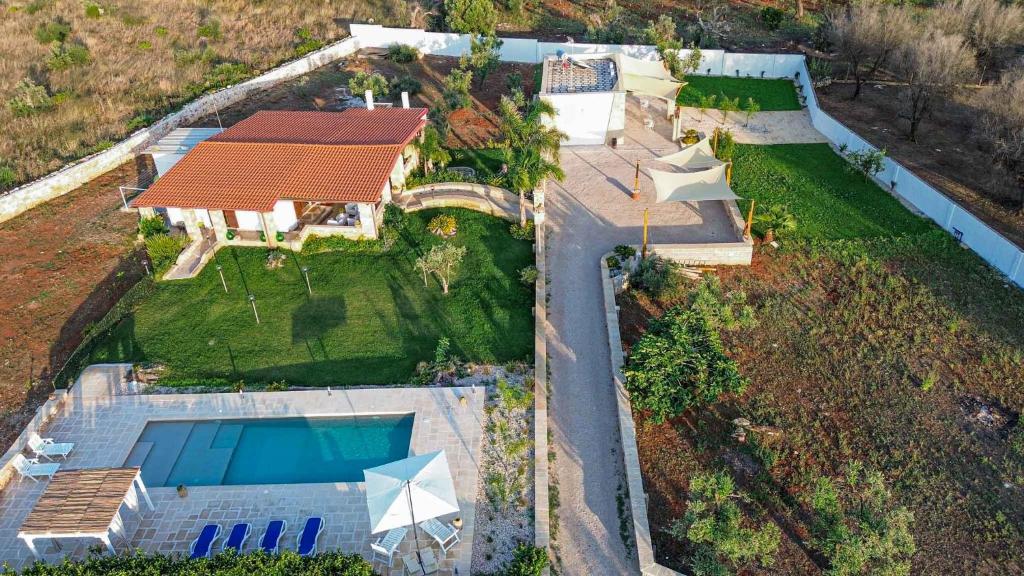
<point x="351" y="126"/>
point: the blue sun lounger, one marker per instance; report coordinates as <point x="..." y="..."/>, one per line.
<point x="202" y="546"/>
<point x="270" y="542"/>
<point x="237" y="537"/>
<point x="305" y="544"/>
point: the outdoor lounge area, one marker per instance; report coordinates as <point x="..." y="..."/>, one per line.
<point x="86" y="502"/>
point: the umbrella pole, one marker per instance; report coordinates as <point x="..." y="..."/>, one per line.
<point x="412" y="514"/>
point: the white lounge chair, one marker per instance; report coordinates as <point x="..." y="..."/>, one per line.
<point x="385" y="547"/>
<point x="445" y="536"/>
<point x="47" y="448"/>
<point x="31" y="468"/>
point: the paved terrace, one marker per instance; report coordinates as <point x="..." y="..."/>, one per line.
<point x="104" y="430"/>
<point x="588" y="214"/>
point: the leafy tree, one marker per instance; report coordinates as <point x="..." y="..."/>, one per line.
<point x="750" y="108"/>
<point x="858" y="527"/>
<point x="714" y="525"/>
<point x="609" y="26"/>
<point x="726" y="105"/>
<point x="432" y="152"/>
<point x="679" y="363"/>
<point x="456" y="89"/>
<point x="443" y="260"/>
<point x="529" y="147"/>
<point x="364" y="81"/>
<point x="484" y="56"/>
<point x="470" y="16"/>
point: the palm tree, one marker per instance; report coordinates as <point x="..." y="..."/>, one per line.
<point x="529" y="147"/>
<point x="776" y="219"/>
<point x="431" y="150"/>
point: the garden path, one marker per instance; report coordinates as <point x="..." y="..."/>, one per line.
<point x="588" y="214"/>
<point x="790" y="127"/>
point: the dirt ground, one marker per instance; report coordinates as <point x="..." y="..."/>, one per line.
<point x="62" y="266"/>
<point x="316" y="91"/>
<point x="945" y="155"/>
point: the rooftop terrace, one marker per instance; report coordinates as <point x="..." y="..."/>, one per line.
<point x="566" y="75"/>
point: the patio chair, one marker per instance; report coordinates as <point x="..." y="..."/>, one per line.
<point x="429" y="561"/>
<point x="271" y="540"/>
<point x="305" y="544"/>
<point x="445" y="536"/>
<point x="47" y="448"/>
<point x="237" y="537"/>
<point x="411" y="566"/>
<point x="31" y="468"/>
<point x="202" y="546"/>
<point x="385" y="547"/>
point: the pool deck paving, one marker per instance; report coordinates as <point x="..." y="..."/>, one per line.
<point x="104" y="430"/>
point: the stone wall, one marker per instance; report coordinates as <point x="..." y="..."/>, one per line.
<point x="25" y="197"/>
<point x="480" y="197"/>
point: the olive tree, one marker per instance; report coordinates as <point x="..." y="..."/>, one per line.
<point x="867" y="35"/>
<point x="993" y="27"/>
<point x="483" y="58"/>
<point x="1003" y="119"/>
<point x="932" y="67"/>
<point x="442" y="260"/>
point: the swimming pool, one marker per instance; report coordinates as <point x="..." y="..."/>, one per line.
<point x="268" y="450"/>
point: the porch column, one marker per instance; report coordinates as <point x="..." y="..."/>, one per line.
<point x="220" y="225"/>
<point x="367" y="219"/>
<point x="192" y="224"/>
<point x="31" y="543"/>
<point x="397" y="177"/>
<point x="269" y="228"/>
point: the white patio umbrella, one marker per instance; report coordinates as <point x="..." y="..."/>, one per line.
<point x="408" y="491"/>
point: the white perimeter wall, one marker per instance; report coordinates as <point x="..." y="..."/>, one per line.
<point x="584" y="117"/>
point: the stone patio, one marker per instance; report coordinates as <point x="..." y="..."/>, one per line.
<point x="104" y="430"/>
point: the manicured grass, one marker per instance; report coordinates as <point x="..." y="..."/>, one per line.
<point x="483" y="160"/>
<point x="829" y="201"/>
<point x="370" y="319"/>
<point x="772" y="95"/>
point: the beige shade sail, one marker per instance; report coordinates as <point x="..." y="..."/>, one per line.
<point x="692" y="186"/>
<point x="699" y="156"/>
<point x="648" y="77"/>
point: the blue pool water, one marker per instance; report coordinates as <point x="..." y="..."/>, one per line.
<point x="268" y="450"/>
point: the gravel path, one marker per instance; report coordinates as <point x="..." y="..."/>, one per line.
<point x="789" y="127"/>
<point x="588" y="215"/>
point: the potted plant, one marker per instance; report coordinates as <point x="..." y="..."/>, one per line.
<point x="457" y="522"/>
<point x="775" y="220"/>
<point x="691" y="137"/>
<point x="182" y="491"/>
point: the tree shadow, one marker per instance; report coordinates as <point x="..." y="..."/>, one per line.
<point x="315" y="318"/>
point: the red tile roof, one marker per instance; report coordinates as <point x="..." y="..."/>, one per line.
<point x="350" y="126"/>
<point x="273" y="155"/>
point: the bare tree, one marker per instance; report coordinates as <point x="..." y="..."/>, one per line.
<point x="993" y="27"/>
<point x="932" y="66"/>
<point x="867" y="35"/>
<point x="1004" y="126"/>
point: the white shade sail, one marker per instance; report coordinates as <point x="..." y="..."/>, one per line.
<point x="700" y="186"/>
<point x="699" y="156"/>
<point x="648" y="77"/>
<point x="410" y="490"/>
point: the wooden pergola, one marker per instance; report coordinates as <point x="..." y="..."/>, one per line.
<point x="84" y="504"/>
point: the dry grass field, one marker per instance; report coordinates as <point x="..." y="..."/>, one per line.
<point x="76" y="76"/>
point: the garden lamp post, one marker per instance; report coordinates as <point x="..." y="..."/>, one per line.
<point x="305" y="273"/>
<point x="643" y="249"/>
<point x="220" y="270"/>
<point x="252" y="300"/>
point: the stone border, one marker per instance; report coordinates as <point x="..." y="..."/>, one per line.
<point x="491" y="200"/>
<point x="627" y="429"/>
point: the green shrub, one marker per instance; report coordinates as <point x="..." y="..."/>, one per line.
<point x="528" y="275"/>
<point x="435" y="177"/>
<point x="56" y="31"/>
<point x="443" y="225"/>
<point x="726" y="146"/>
<point x="29" y="98"/>
<point x="680" y="363"/>
<point x="226" y="74"/>
<point x="624" y="251"/>
<point x="772" y="18"/>
<point x="364" y="81"/>
<point x="209" y="30"/>
<point x="306" y="42"/>
<point x="145" y="45"/>
<point x="330" y="562"/>
<point x="93" y="10"/>
<point x="37" y="5"/>
<point x="394" y="217"/>
<point x="139" y="121"/>
<point x="152" y="226"/>
<point x="456" y="89"/>
<point x="160" y="31"/>
<point x="868" y="162"/>
<point x="7" y="176"/>
<point x="163" y="251"/>
<point x="526" y="561"/>
<point x="317" y="244"/>
<point x="65" y="56"/>
<point x="403" y="53"/>
<point x="405" y="84"/>
<point x="524" y="232"/>
<point x="470" y="16"/>
<point x="657" y="276"/>
<point x="613" y="262"/>
<point x="714" y="525"/>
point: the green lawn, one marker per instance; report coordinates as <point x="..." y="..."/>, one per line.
<point x="829" y="201"/>
<point x="483" y="160"/>
<point x="772" y="95"/>
<point x="369" y="321"/>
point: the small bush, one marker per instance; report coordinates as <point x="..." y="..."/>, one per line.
<point x="405" y="84"/>
<point x="524" y="232"/>
<point x="456" y="89"/>
<point x="772" y="18"/>
<point x="436" y="177"/>
<point x="317" y="244"/>
<point x="37" y="5"/>
<point x="145" y="45"/>
<point x="93" y="10"/>
<point x="625" y="252"/>
<point x="139" y="121"/>
<point x="7" y="176"/>
<point x="363" y="81"/>
<point x="56" y="31"/>
<point x="867" y="162"/>
<point x="328" y="562"/>
<point x="443" y="225"/>
<point x="394" y="217"/>
<point x="657" y="276"/>
<point x="152" y="226"/>
<point x="726" y="145"/>
<point x="29" y="98"/>
<point x="526" y="561"/>
<point x="209" y="30"/>
<point x="160" y="31"/>
<point x="65" y="56"/>
<point x="528" y="275"/>
<point x="402" y="53"/>
<point x="613" y="262"/>
<point x="306" y="42"/>
<point x="163" y="250"/>
<point x="226" y="74"/>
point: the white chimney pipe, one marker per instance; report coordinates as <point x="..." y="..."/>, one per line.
<point x="405" y="99"/>
<point x="369" y="99"/>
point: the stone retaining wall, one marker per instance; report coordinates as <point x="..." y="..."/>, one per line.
<point x="18" y="200"/>
<point x="480" y="197"/>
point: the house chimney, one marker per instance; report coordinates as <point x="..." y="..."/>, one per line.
<point x="405" y="99"/>
<point x="369" y="99"/>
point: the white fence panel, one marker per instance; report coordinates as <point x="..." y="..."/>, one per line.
<point x="922" y="196"/>
<point x="756" y="65"/>
<point x="519" y="50"/>
<point x="711" y="61"/>
<point x="436" y="43"/>
<point x="788" y="65"/>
